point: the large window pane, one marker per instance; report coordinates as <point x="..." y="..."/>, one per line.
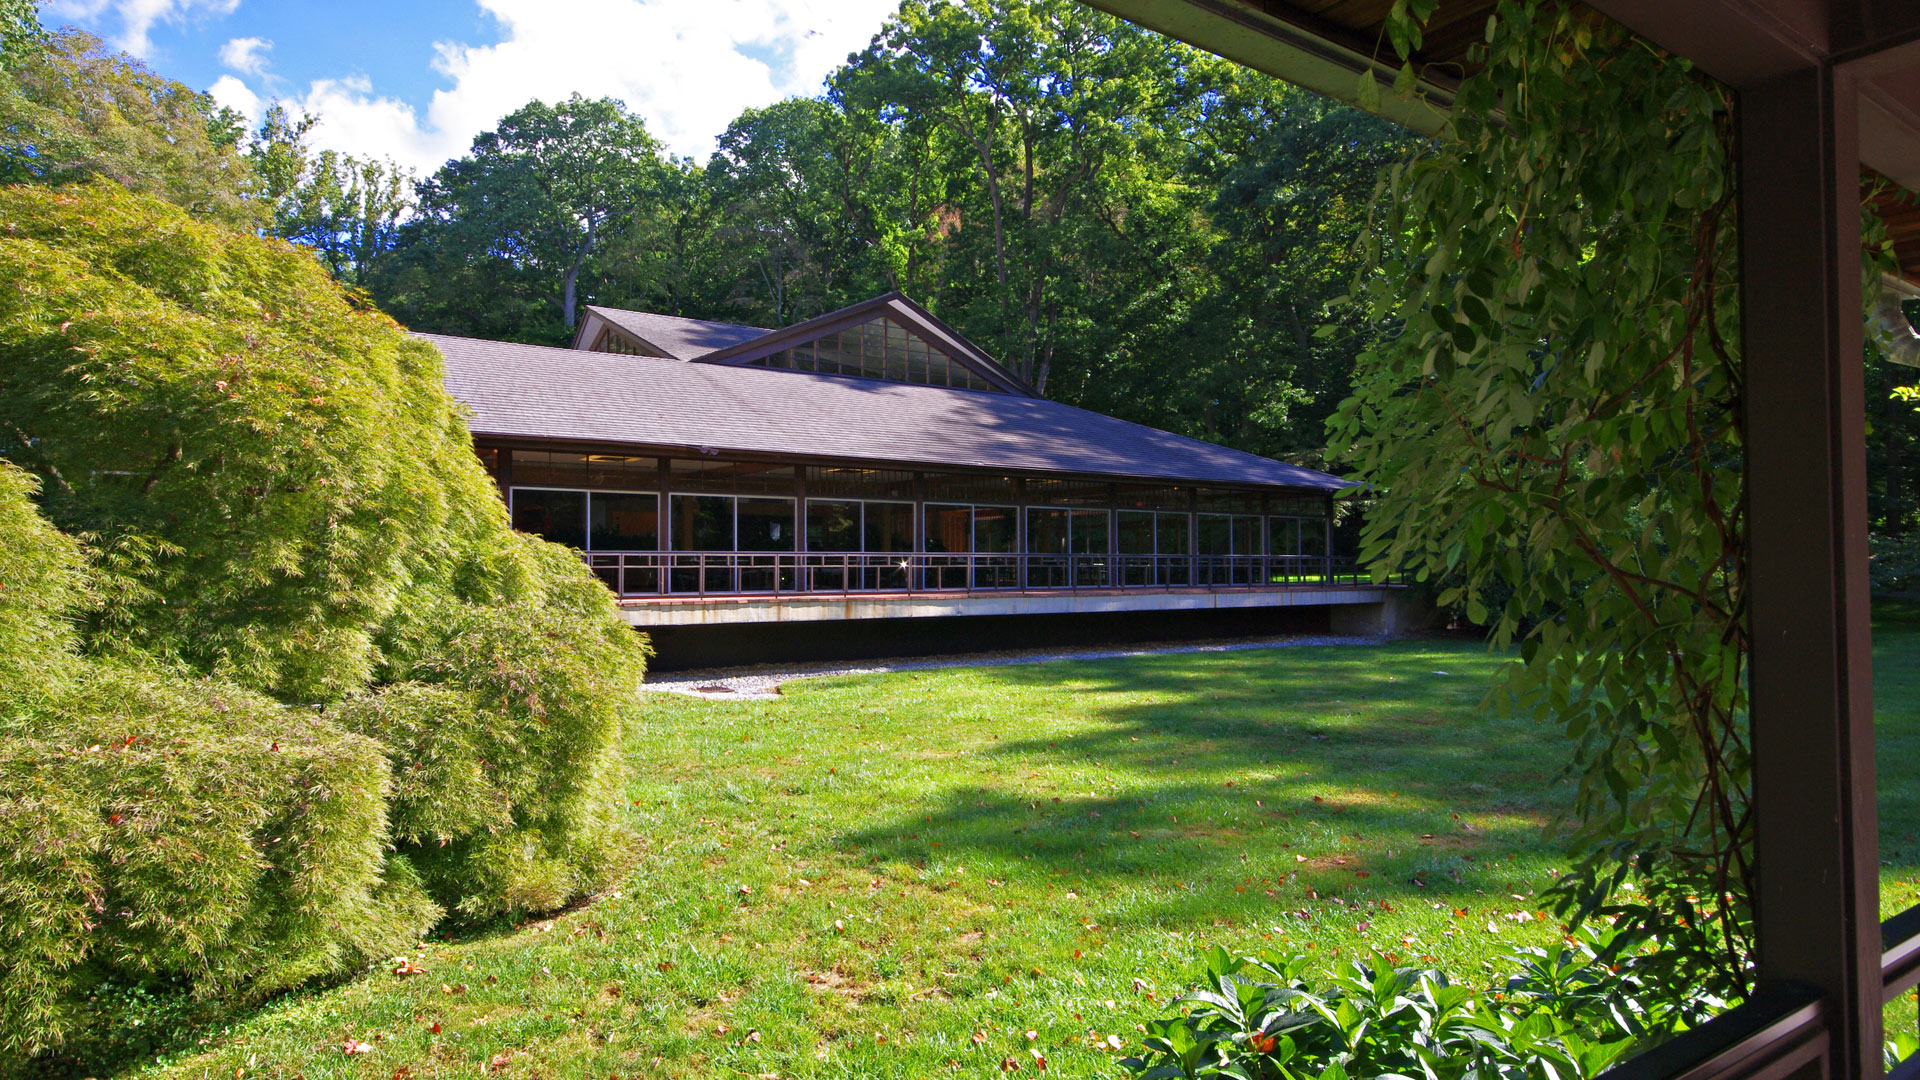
<point x="766" y="525"/>
<point x="1313" y="537"/>
<point x="993" y="528"/>
<point x="828" y="349"/>
<point x="1174" y="534"/>
<point x="1046" y="531"/>
<point x="1136" y="532"/>
<point x="1246" y="536"/>
<point x="949" y="528"/>
<point x="702" y="523"/>
<point x="625" y="522"/>
<point x="1048" y="541"/>
<point x="833" y="525"/>
<point x="889" y="526"/>
<point x="559" y="516"/>
<point x="873" y="348"/>
<point x="1089" y="532"/>
<point x="1283" y="534"/>
<point x="1216" y="534"/>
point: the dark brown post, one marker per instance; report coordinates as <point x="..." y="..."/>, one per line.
<point x="1818" y="905"/>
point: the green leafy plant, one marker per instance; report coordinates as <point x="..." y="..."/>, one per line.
<point x="1570" y="1011"/>
<point x="1553" y="419"/>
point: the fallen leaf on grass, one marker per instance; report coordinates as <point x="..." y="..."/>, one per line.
<point x="355" y="1046"/>
<point x="408" y="967"/>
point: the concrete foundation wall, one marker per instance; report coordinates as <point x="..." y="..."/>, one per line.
<point x="680" y="648"/>
<point x="1397" y="614"/>
<point x="651" y="614"/>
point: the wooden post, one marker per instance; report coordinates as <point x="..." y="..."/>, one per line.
<point x="1817" y="912"/>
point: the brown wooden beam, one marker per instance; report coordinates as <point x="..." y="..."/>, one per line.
<point x="1817" y="912"/>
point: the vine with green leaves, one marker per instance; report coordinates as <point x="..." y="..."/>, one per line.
<point x="1553" y="420"/>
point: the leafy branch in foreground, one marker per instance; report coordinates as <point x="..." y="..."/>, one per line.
<point x="1557" y="418"/>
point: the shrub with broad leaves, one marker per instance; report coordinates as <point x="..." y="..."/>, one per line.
<point x="1568" y="1012"/>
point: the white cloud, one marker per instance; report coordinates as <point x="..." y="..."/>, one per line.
<point x="137" y="17"/>
<point x="232" y="93"/>
<point x="246" y="55"/>
<point x="678" y="63"/>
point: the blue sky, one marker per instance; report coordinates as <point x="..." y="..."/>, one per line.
<point x="416" y="80"/>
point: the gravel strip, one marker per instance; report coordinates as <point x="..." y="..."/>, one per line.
<point x="761" y="682"/>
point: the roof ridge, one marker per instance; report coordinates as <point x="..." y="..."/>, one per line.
<point x="677" y="318"/>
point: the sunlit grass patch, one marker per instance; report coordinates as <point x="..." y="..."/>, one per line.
<point x="903" y="875"/>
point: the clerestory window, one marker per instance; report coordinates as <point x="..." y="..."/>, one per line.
<point x="879" y="349"/>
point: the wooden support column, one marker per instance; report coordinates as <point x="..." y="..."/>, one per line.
<point x="1818" y="905"/>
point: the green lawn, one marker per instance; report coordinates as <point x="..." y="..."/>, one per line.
<point x="904" y="875"/>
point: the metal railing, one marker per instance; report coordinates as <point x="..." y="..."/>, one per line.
<point x="812" y="573"/>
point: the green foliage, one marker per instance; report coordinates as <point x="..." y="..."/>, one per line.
<point x="71" y="111"/>
<point x="1556" y="414"/>
<point x="1571" y="1010"/>
<point x="159" y="826"/>
<point x="267" y="469"/>
<point x="1895" y="563"/>
<point x="544" y="190"/>
<point x="20" y="31"/>
<point x="42" y="581"/>
<point x="504" y="739"/>
<point x="346" y="209"/>
<point x="275" y="494"/>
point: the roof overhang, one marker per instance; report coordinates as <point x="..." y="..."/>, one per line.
<point x="494" y="440"/>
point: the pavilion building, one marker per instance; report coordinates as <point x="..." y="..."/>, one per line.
<point x="873" y="464"/>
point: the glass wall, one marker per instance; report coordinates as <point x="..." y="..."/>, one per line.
<point x="720" y="525"/>
<point x="559" y="516"/>
<point x="1225" y="543"/>
<point x="1155" y="548"/>
<point x="1067" y="548"/>
<point x="845" y="532"/>
<point x="983" y="530"/>
<point x="733" y="526"/>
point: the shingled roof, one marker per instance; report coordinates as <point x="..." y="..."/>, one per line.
<point x="537" y="392"/>
<point x="678" y="338"/>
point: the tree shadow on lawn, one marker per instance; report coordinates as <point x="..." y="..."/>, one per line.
<point x="1321" y="772"/>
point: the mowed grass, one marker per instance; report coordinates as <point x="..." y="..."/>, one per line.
<point x="898" y="875"/>
<point x="906" y="875"/>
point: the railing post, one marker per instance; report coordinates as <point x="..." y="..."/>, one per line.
<point x="1815" y="821"/>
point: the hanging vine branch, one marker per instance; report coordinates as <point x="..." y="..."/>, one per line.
<point x="1552" y="432"/>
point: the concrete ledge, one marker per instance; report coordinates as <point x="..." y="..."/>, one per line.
<point x="792" y="609"/>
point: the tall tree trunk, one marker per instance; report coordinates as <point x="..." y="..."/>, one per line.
<point x="573" y="275"/>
